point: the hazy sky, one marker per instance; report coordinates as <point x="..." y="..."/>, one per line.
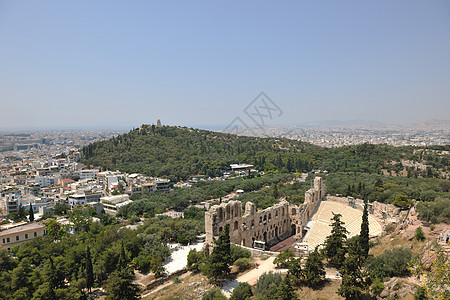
<point x="124" y="63"/>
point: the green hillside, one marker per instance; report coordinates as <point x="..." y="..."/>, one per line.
<point x="180" y="152"/>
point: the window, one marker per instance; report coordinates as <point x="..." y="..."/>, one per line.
<point x="4" y="241"/>
<point x="35" y="234"/>
<point x="17" y="237"/>
<point x="26" y="235"/>
<point x="7" y="240"/>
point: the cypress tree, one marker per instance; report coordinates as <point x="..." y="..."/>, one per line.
<point x="122" y="258"/>
<point x="89" y="270"/>
<point x="364" y="234"/>
<point x="31" y="217"/>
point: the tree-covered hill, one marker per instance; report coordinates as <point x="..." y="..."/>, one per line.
<point x="180" y="152"/>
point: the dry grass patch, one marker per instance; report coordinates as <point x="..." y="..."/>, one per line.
<point x="394" y="241"/>
<point x="326" y="292"/>
<point x="184" y="290"/>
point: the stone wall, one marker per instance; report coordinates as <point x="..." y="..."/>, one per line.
<point x="384" y="212"/>
<point x="270" y="225"/>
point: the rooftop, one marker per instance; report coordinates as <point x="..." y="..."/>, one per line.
<point x="18" y="229"/>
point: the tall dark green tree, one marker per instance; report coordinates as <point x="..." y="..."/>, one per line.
<point x="285" y="290"/>
<point x="353" y="283"/>
<point x="120" y="284"/>
<point x="364" y="234"/>
<point x="218" y="267"/>
<point x="89" y="270"/>
<point x="296" y="271"/>
<point x="31" y="213"/>
<point x="122" y="258"/>
<point x="314" y="270"/>
<point x="275" y="193"/>
<point x="334" y="248"/>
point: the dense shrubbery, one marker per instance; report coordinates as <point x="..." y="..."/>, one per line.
<point x="389" y="264"/>
<point x="242" y="292"/>
<point x="238" y="252"/>
<point x="179" y="199"/>
<point x="267" y="285"/>
<point x="435" y="212"/>
<point x="385" y="189"/>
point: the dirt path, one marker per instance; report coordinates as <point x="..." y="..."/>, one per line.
<point x="165" y="285"/>
<point x="250" y="277"/>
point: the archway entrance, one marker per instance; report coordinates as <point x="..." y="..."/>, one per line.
<point x="293" y="229"/>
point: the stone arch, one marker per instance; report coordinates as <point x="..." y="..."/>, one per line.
<point x="236" y="225"/>
<point x="293" y="229"/>
<point x="220" y="229"/>
<point x="276" y="214"/>
<point x="253" y="224"/>
<point x="228" y="213"/>
<point x="293" y="211"/>
<point x="236" y="210"/>
<point x="282" y="212"/>
<point x="220" y="214"/>
<point x="265" y="218"/>
<point x="260" y="220"/>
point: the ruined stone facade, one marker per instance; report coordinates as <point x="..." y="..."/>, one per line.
<point x="270" y="225"/>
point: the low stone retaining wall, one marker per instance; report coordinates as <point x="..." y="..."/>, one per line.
<point x="258" y="252"/>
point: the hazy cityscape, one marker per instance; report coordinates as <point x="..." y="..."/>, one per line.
<point x="423" y="134"/>
<point x="214" y="150"/>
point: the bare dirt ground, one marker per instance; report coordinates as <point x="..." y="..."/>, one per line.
<point x="252" y="276"/>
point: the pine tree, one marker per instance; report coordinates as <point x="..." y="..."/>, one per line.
<point x="364" y="234"/>
<point x="353" y="283"/>
<point x="314" y="271"/>
<point x="335" y="243"/>
<point x="218" y="267"/>
<point x="285" y="290"/>
<point x="296" y="271"/>
<point x="89" y="270"/>
<point x="31" y="217"/>
<point x="120" y="284"/>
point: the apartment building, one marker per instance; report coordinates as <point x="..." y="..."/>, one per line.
<point x="16" y="236"/>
